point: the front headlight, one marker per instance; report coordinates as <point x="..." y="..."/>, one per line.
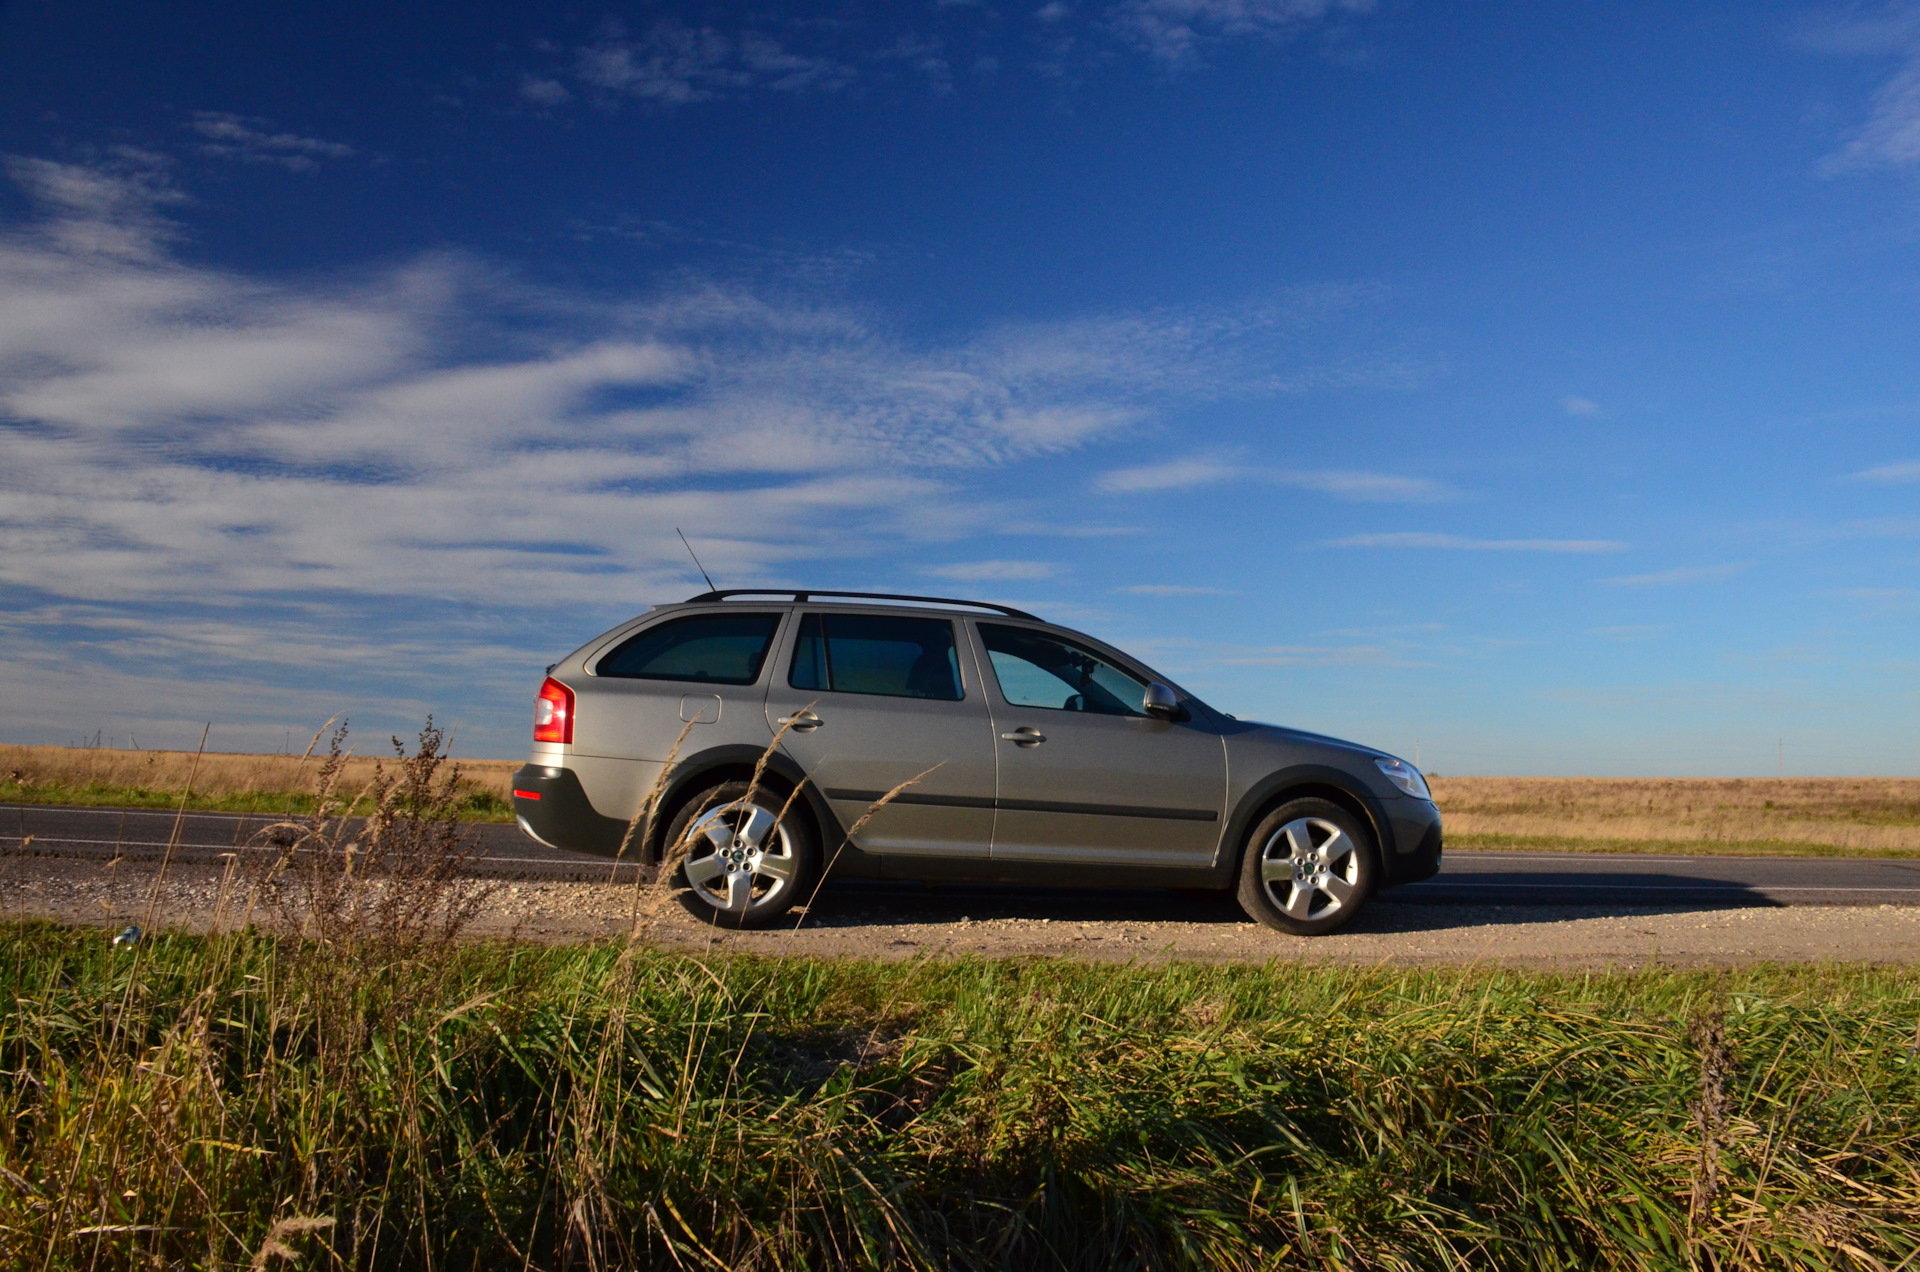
<point x="1405" y="776"/>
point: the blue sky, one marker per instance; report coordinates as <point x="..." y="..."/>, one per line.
<point x="1534" y="386"/>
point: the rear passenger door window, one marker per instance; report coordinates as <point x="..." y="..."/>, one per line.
<point x="885" y="655"/>
<point x="707" y="649"/>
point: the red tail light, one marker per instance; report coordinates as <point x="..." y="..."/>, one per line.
<point x="553" y="713"/>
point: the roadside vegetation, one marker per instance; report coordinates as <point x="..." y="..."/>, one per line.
<point x="193" y="1101"/>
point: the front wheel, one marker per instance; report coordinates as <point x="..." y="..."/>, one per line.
<point x="745" y="864"/>
<point x="1307" y="869"/>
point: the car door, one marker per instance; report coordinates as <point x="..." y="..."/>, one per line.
<point x="874" y="700"/>
<point x="1085" y="774"/>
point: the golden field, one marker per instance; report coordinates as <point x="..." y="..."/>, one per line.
<point x="1800" y="815"/>
<point x="223" y="782"/>
<point x="1819" y="815"/>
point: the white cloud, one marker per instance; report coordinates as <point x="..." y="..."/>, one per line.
<point x="1175" y="31"/>
<point x="675" y="65"/>
<point x="1686" y="574"/>
<point x="1891" y="474"/>
<point x="1003" y="571"/>
<point x="1367" y="487"/>
<point x="1177" y="474"/>
<point x="176" y="431"/>
<point x="252" y="140"/>
<point x="543" y="91"/>
<point x="1424" y="539"/>
<point x="106" y="211"/>
<point x="1203" y="470"/>
<point x="1585" y="407"/>
<point x="1891" y="136"/>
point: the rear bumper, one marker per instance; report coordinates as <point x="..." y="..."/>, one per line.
<point x="1416" y="841"/>
<point x="553" y="808"/>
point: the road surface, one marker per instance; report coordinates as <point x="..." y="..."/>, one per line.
<point x="1465" y="878"/>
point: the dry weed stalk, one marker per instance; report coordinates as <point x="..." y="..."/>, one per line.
<point x="1710" y="1111"/>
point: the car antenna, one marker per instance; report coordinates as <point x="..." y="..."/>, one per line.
<point x="696" y="560"/>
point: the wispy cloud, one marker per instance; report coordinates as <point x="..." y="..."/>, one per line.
<point x="1175" y="474"/>
<point x="1585" y="408"/>
<point x="1169" y="589"/>
<point x="1321" y="656"/>
<point x="252" y="140"/>
<point x="1890" y="136"/>
<point x="673" y="65"/>
<point x="1891" y="474"/>
<point x="438" y="430"/>
<point x="1201" y="470"/>
<point x="1177" y="32"/>
<point x="996" y="571"/>
<point x="1685" y="574"/>
<point x="1424" y="539"/>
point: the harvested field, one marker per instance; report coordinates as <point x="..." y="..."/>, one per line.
<point x="222" y="781"/>
<point x="1798" y="815"/>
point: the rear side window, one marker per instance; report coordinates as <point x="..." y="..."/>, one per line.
<point x="708" y="649"/>
<point x="868" y="653"/>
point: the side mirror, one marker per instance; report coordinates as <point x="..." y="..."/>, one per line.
<point x="1162" y="703"/>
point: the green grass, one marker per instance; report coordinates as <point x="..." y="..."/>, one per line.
<point x="474" y="805"/>
<point x="508" y="1106"/>
<point x="1674" y="848"/>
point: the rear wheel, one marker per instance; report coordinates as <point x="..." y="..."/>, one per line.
<point x="1307" y="869"/>
<point x="745" y="864"/>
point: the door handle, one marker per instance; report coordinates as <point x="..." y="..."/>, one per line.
<point x="1025" y="735"/>
<point x="802" y="722"/>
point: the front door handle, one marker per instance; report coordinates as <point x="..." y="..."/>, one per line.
<point x="1025" y="735"/>
<point x="802" y="722"/>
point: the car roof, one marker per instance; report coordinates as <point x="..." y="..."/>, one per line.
<point x="798" y="597"/>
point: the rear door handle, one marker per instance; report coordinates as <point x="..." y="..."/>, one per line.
<point x="802" y="722"/>
<point x="1025" y="735"/>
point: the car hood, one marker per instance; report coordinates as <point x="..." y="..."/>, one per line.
<point x="1255" y="731"/>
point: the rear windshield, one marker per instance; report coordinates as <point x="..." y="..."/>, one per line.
<point x="877" y="654"/>
<point x="708" y="649"/>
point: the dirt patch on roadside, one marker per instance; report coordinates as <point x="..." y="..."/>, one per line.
<point x="1141" y="927"/>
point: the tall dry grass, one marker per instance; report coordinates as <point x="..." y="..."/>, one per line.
<point x="1859" y="814"/>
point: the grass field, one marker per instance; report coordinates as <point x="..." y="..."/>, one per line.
<point x="1828" y="816"/>
<point x="194" y="1101"/>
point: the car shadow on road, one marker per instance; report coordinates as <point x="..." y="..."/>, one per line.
<point x="1486" y="897"/>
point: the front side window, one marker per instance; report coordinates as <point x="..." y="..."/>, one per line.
<point x="1038" y="670"/>
<point x="877" y="654"/>
<point x="708" y="649"/>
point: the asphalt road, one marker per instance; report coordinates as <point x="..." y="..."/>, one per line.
<point x="1466" y="878"/>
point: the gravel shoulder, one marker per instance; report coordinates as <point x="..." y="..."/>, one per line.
<point x="870" y="922"/>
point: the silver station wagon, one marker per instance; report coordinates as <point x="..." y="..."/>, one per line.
<point x="1014" y="751"/>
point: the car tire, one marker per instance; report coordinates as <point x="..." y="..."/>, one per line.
<point x="1307" y="868"/>
<point x="741" y="864"/>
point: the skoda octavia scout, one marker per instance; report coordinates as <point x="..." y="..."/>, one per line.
<point x="1032" y="754"/>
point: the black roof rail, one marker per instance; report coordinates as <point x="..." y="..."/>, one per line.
<point x="802" y="597"/>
